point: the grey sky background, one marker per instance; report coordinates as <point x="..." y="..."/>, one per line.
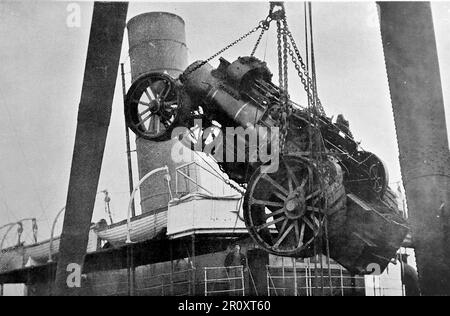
<point x="42" y="66"/>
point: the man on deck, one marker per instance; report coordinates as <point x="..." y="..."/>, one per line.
<point x="233" y="263"/>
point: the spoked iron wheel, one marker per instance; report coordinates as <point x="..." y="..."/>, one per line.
<point x="374" y="177"/>
<point x="154" y="105"/>
<point x="284" y="211"/>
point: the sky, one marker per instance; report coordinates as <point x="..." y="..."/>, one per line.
<point x="42" y="61"/>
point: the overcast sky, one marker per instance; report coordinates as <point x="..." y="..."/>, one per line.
<point x="42" y="63"/>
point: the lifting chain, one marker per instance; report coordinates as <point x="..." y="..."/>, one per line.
<point x="306" y="82"/>
<point x="302" y="69"/>
<point x="263" y="30"/>
<point x="280" y="58"/>
<point x="241" y="187"/>
<point x="263" y="25"/>
<point x="282" y="48"/>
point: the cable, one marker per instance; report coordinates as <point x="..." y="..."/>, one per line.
<point x="265" y="46"/>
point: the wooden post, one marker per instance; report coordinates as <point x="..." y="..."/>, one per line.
<point x="94" y="114"/>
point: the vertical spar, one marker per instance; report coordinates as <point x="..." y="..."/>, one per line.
<point x="417" y="101"/>
<point x="102" y="62"/>
<point x="127" y="139"/>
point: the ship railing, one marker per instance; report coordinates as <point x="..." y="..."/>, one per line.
<point x="19" y="232"/>
<point x="52" y="234"/>
<point x="178" y="283"/>
<point x="168" y="283"/>
<point x="164" y="170"/>
<point x="224" y="281"/>
<point x="303" y="281"/>
<point x="187" y="179"/>
<point x="183" y="174"/>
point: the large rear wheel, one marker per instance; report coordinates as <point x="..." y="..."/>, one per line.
<point x="284" y="211"/>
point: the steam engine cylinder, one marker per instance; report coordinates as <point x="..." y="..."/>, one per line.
<point x="227" y="89"/>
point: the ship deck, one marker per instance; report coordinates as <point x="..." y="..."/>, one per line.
<point x="141" y="253"/>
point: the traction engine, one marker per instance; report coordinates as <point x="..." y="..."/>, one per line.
<point x="323" y="184"/>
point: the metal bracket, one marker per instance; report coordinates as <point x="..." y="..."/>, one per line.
<point x="277" y="14"/>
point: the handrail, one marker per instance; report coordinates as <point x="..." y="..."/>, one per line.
<point x="11" y="226"/>
<point x="19" y="221"/>
<point x="7" y="225"/>
<point x="239" y="271"/>
<point x="50" y="246"/>
<point x="194" y="181"/>
<point x="148" y="175"/>
<point x="180" y="170"/>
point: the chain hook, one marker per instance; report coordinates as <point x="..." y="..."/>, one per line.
<point x="265" y="24"/>
<point x="279" y="14"/>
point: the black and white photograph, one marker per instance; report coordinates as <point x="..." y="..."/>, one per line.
<point x="224" y="154"/>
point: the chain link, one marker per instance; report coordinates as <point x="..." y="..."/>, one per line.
<point x="302" y="68"/>
<point x="285" y="99"/>
<point x="241" y="187"/>
<point x="261" y="25"/>
<point x="263" y="30"/>
<point x="284" y="49"/>
<point x="264" y="26"/>
<point x="285" y="110"/>
<point x="300" y="73"/>
<point x="285" y="63"/>
<point x="280" y="58"/>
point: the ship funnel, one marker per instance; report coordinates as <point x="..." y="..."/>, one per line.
<point x="157" y="43"/>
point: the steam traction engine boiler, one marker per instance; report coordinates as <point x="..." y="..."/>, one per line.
<point x="324" y="196"/>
